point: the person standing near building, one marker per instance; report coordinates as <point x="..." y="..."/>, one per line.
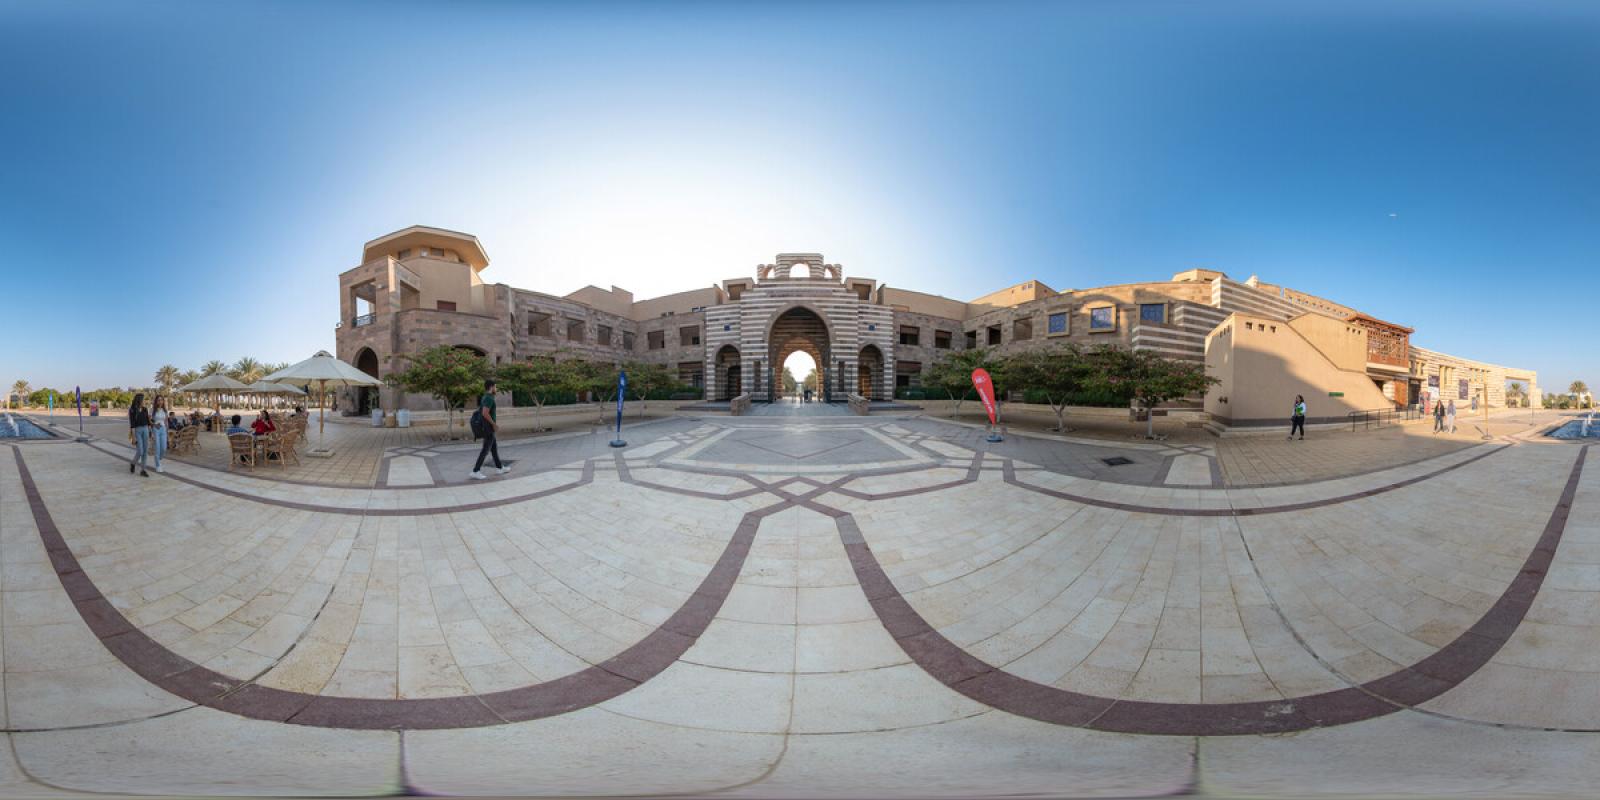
<point x="1438" y="417"/>
<point x="139" y="430"/>
<point x="158" y="429"/>
<point x="1450" y="417"/>
<point x="1297" y="420"/>
<point x="485" y="425"/>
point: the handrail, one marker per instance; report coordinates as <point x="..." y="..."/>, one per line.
<point x="1367" y="418"/>
<point x="364" y="319"/>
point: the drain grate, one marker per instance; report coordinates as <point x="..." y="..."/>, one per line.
<point x="1116" y="461"/>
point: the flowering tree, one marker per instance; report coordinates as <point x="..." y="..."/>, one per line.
<point x="1057" y="372"/>
<point x="449" y="374"/>
<point x="1149" y="378"/>
<point x="540" y="378"/>
<point x="953" y="373"/>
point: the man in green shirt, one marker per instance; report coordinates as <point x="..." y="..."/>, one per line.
<point x="491" y="426"/>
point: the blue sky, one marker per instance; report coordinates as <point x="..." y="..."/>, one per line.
<point x="184" y="182"/>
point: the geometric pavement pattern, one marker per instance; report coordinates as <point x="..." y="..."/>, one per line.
<point x="806" y="577"/>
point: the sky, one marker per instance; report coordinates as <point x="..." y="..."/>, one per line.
<point x="185" y="181"/>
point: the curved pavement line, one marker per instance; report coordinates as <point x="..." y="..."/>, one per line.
<point x="1009" y="472"/>
<point x="1407" y="687"/>
<point x="595" y="684"/>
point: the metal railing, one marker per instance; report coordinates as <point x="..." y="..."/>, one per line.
<point x="1379" y="417"/>
<point x="364" y="319"/>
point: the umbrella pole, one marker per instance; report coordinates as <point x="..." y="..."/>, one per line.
<point x="322" y="418"/>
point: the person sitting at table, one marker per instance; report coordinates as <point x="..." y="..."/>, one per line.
<point x="236" y="427"/>
<point x="263" y="424"/>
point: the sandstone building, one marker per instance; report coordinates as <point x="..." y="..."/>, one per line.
<point x="421" y="287"/>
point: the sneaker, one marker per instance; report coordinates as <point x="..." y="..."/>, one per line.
<point x="161" y="469"/>
<point x="143" y="474"/>
<point x="504" y="470"/>
<point x="478" y="476"/>
<point x="130" y="469"/>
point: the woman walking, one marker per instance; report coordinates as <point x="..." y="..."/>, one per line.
<point x="1297" y="420"/>
<point x="1438" y="417"/>
<point x="1450" y="417"/>
<point x="158" y="429"/>
<point x="139" y="427"/>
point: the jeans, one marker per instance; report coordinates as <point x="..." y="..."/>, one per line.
<point x="489" y="446"/>
<point x="1297" y="423"/>
<point x="1438" y="423"/>
<point x="160" y="444"/>
<point x="141" y="445"/>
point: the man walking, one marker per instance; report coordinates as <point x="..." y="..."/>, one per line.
<point x="485" y="425"/>
<point x="1297" y="420"/>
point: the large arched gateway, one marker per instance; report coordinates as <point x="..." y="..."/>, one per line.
<point x="797" y="329"/>
<point x="799" y="304"/>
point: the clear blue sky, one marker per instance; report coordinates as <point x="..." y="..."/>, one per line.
<point x="183" y="182"/>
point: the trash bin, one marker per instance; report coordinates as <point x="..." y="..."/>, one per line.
<point x="403" y="417"/>
<point x="377" y="417"/>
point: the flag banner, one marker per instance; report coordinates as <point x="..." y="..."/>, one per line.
<point x="622" y="393"/>
<point x="985" y="387"/>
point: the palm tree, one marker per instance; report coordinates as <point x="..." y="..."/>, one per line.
<point x="247" y="370"/>
<point x="21" y="387"/>
<point x="1514" y="392"/>
<point x="1579" y="389"/>
<point x="212" y="367"/>
<point x="166" y="378"/>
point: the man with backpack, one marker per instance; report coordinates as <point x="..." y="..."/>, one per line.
<point x="485" y="426"/>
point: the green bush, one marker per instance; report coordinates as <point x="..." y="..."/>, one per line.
<point x="1091" y="398"/>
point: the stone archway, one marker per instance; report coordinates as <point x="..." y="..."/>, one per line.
<point x="727" y="373"/>
<point x="366" y="396"/>
<point x="801" y="329"/>
<point x="869" y="373"/>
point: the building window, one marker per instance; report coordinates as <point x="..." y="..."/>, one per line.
<point x="735" y="290"/>
<point x="994" y="335"/>
<point x="627" y="340"/>
<point x="689" y="336"/>
<point x="690" y="373"/>
<point x="604" y="335"/>
<point x="910" y="335"/>
<point x="655" y="340"/>
<point x="1153" y="312"/>
<point x="446" y="305"/>
<point x="575" y="330"/>
<point x="1022" y="329"/>
<point x="406" y="253"/>
<point x="538" y="324"/>
<point x="972" y="339"/>
<point x="907" y="374"/>
<point x="1057" y="323"/>
<point x="1103" y="318"/>
<point x="941" y="340"/>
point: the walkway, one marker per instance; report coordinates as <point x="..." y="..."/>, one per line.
<point x="758" y="607"/>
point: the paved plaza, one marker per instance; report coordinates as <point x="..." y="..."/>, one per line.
<point x="809" y="604"/>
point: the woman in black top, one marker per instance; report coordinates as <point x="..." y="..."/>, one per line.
<point x="139" y="424"/>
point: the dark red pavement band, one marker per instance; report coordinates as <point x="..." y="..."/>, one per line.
<point x="1407" y="687"/>
<point x="197" y="684"/>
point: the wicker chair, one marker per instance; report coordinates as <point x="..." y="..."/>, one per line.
<point x="288" y="453"/>
<point x="241" y="450"/>
<point x="272" y="447"/>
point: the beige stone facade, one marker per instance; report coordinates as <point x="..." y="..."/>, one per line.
<point x="421" y="287"/>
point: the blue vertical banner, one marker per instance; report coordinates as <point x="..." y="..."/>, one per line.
<point x="622" y="394"/>
<point x="77" y="396"/>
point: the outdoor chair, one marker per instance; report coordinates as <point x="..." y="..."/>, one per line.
<point x="290" y="439"/>
<point x="272" y="448"/>
<point x="241" y="450"/>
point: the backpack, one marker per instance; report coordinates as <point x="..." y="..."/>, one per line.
<point x="479" y="429"/>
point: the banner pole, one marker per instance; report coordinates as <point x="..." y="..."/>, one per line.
<point x="622" y="394"/>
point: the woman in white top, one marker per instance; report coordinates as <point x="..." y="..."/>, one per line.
<point x="158" y="428"/>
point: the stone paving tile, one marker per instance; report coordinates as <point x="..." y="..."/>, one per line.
<point x="794" y="664"/>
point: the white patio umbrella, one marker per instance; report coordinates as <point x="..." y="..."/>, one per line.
<point x="323" y="370"/>
<point x="268" y="387"/>
<point x="216" y="384"/>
